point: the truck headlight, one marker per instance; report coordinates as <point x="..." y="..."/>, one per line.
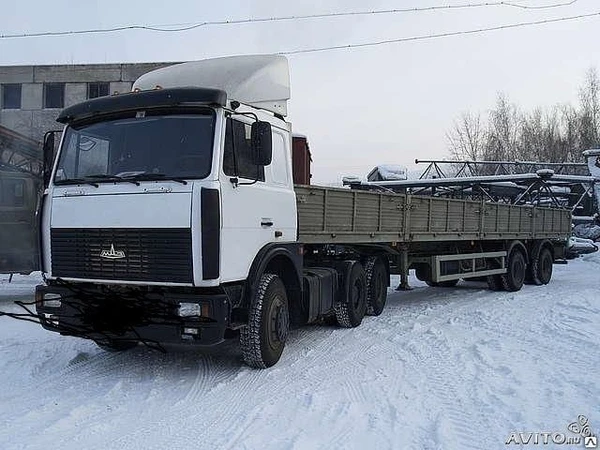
<point x="51" y="300"/>
<point x="190" y="310"/>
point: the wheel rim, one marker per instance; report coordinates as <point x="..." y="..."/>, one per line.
<point x="518" y="269"/>
<point x="278" y="324"/>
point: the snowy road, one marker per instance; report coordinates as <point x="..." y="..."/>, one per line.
<point x="441" y="368"/>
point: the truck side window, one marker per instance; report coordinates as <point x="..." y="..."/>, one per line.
<point x="237" y="137"/>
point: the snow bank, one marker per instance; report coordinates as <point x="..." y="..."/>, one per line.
<point x="458" y="368"/>
<point x="587" y="231"/>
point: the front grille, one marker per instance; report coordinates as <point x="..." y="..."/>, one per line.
<point x="159" y="255"/>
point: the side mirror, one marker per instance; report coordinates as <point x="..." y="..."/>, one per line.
<point x="262" y="147"/>
<point x="48" y="152"/>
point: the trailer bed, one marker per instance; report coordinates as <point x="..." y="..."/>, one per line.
<point x="335" y="215"/>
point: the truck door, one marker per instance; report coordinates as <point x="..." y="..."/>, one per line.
<point x="262" y="208"/>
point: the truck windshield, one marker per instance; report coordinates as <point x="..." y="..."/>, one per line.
<point x="175" y="146"/>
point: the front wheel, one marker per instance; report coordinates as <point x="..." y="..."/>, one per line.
<point x="263" y="339"/>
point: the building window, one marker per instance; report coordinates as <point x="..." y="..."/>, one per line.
<point x="12" y="193"/>
<point x="54" y="95"/>
<point x="96" y="90"/>
<point x="11" y="96"/>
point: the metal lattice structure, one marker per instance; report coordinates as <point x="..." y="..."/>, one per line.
<point x="19" y="153"/>
<point x="468" y="168"/>
<point x="560" y="185"/>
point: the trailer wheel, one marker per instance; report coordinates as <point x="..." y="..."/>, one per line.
<point x="263" y="339"/>
<point x="516" y="269"/>
<point x="494" y="282"/>
<point x="352" y="305"/>
<point x="423" y="272"/>
<point x="445" y="284"/>
<point x="541" y="267"/>
<point x="377" y="284"/>
<point x="117" y="346"/>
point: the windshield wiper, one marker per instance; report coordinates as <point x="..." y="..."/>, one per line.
<point x="76" y="181"/>
<point x="105" y="177"/>
<point x="154" y="177"/>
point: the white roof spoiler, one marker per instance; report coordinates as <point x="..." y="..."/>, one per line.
<point x="261" y="81"/>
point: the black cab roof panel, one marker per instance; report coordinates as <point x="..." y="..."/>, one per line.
<point x="141" y="100"/>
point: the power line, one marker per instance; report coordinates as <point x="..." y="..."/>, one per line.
<point x="442" y="35"/>
<point x="168" y="28"/>
<point x="555" y="5"/>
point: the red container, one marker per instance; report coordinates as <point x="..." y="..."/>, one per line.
<point x="301" y="159"/>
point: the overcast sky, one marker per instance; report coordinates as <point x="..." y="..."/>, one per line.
<point x="359" y="107"/>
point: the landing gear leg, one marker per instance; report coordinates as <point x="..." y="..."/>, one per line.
<point x="404" y="286"/>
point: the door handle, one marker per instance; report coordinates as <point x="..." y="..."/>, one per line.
<point x="266" y="223"/>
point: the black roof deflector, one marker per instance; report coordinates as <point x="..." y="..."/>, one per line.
<point x="142" y="100"/>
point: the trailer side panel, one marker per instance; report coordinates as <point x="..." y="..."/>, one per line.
<point x="332" y="215"/>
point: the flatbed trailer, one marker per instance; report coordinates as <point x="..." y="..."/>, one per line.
<point x="331" y="215"/>
<point x="443" y="239"/>
<point x="214" y="237"/>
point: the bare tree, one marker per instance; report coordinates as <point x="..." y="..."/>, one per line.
<point x="467" y="137"/>
<point x="503" y="129"/>
<point x="570" y="133"/>
<point x="589" y="97"/>
<point x="558" y="134"/>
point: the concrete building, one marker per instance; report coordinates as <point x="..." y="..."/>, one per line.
<point x="32" y="96"/>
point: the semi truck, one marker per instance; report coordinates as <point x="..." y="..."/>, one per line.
<point x="170" y="215"/>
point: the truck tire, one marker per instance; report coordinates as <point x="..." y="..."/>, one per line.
<point x="494" y="282"/>
<point x="541" y="267"/>
<point x="117" y="346"/>
<point x="377" y="284"/>
<point x="516" y="269"/>
<point x="352" y="304"/>
<point x="422" y="272"/>
<point x="262" y="340"/>
<point x="445" y="284"/>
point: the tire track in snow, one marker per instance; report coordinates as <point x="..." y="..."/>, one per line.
<point x="453" y="424"/>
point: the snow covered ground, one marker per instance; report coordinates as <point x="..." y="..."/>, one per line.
<point x="442" y="368"/>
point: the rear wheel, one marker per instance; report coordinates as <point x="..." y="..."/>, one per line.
<point x="541" y="267"/>
<point x="263" y="339"/>
<point x="352" y="304"/>
<point x="376" y="277"/>
<point x="494" y="282"/>
<point x="516" y="269"/>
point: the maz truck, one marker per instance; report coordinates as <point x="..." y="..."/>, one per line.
<point x="170" y="215"/>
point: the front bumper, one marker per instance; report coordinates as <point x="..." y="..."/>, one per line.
<point x="108" y="315"/>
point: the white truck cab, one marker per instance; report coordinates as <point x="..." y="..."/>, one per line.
<point x="179" y="190"/>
